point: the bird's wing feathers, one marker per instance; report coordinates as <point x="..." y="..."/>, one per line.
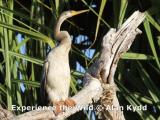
<point x="46" y="64"/>
<point x="43" y="83"/>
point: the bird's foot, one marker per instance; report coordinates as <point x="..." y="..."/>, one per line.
<point x="59" y="107"/>
<point x="70" y="102"/>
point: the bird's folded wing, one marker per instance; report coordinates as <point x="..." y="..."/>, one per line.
<point x="43" y="84"/>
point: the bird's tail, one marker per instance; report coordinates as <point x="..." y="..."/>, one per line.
<point x="44" y="98"/>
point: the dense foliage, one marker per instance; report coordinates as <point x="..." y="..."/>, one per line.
<point x="26" y="37"/>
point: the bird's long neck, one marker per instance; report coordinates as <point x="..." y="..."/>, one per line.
<point x="62" y="36"/>
<point x="58" y="27"/>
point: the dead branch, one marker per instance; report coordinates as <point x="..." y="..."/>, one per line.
<point x="100" y="76"/>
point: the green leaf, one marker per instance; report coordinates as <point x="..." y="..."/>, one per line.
<point x="26" y="17"/>
<point x="134" y="102"/>
<point x="21" y="44"/>
<point x="3" y="89"/>
<point x="103" y="3"/>
<point x="96" y="13"/>
<point x="143" y="98"/>
<point x="151" y="42"/>
<point x="123" y="7"/>
<point x="35" y="35"/>
<point x="152" y="21"/>
<point x="28" y="82"/>
<point x="151" y="87"/>
<point x="73" y="85"/>
<point x="25" y="57"/>
<point x="136" y="56"/>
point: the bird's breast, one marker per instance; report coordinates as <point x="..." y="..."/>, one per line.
<point x="59" y="70"/>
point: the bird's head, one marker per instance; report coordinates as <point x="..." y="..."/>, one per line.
<point x="70" y="13"/>
<point x="62" y="18"/>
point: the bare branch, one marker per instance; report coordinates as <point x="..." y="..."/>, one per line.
<point x="92" y="90"/>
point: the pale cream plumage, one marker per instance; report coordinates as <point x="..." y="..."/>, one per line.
<point x="56" y="68"/>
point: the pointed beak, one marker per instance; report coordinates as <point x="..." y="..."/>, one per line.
<point x="79" y="12"/>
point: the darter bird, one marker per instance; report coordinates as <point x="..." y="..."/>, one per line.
<point x="57" y="76"/>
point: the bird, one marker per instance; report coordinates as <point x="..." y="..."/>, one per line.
<point x="57" y="76"/>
